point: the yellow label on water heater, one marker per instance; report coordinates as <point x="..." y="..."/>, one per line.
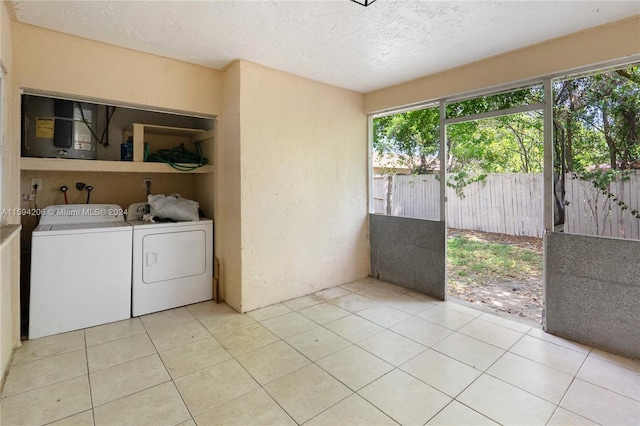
<point x="44" y="127"/>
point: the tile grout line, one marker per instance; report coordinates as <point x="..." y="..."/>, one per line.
<point x="511" y="384"/>
<point x="3" y="379"/>
<point x="612" y="362"/>
<point x="135" y="359"/>
<point x="600" y="386"/>
<point x="384" y="328"/>
<point x="173" y="382"/>
<point x="485" y="372"/>
<point x="558" y="344"/>
<point x="86" y="354"/>
<point x="44" y="385"/>
<point x="260" y="386"/>
<point x="327" y="372"/>
<point x="470" y="408"/>
<point x="573" y="380"/>
<point x="548" y="366"/>
<point x="482" y="372"/>
<point x="167" y="370"/>
<point x="67" y="380"/>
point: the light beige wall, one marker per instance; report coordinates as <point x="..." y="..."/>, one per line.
<point x="9" y="302"/>
<point x="114" y="188"/>
<point x="10" y="169"/>
<point x="227" y="187"/>
<point x="118" y="188"/>
<point x="613" y="41"/>
<point x="304" y="186"/>
<point x="58" y="62"/>
<point x="10" y="252"/>
<point x="204" y="183"/>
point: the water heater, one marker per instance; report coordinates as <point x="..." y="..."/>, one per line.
<point x="58" y="128"/>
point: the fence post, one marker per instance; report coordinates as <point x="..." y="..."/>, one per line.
<point x="389" y="192"/>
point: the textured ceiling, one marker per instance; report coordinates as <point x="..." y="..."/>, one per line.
<point x="338" y="42"/>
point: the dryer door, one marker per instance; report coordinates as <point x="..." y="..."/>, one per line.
<point x="173" y="255"/>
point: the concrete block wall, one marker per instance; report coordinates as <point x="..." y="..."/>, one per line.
<point x="409" y="252"/>
<point x="593" y="291"/>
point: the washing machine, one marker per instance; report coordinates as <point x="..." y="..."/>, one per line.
<point x="80" y="268"/>
<point x="172" y="264"/>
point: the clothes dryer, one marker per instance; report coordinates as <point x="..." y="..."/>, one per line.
<point x="172" y="264"/>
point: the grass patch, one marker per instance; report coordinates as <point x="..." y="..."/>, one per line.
<point x="471" y="259"/>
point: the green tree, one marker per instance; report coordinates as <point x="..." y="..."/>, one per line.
<point x="598" y="119"/>
<point x="413" y="136"/>
<point x="498" y="145"/>
<point x="503" y="144"/>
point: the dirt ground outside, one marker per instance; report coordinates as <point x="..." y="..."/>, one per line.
<point x="513" y="287"/>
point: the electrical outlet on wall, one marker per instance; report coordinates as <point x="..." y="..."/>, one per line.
<point x="36" y="182"/>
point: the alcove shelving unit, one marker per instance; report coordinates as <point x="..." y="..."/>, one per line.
<point x="158" y="137"/>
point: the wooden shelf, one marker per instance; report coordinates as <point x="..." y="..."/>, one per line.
<point x="65" y="165"/>
<point x="136" y="166"/>
<point x="154" y="129"/>
<point x="141" y="131"/>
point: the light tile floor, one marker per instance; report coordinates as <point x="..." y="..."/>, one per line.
<point x="367" y="352"/>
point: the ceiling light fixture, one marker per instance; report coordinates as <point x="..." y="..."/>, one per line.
<point x="364" y="3"/>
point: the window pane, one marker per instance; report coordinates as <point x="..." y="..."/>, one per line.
<point x="597" y="153"/>
<point x="405" y="164"/>
<point x="511" y="99"/>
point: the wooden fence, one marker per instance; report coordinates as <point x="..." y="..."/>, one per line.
<point x="590" y="212"/>
<point x="511" y="203"/>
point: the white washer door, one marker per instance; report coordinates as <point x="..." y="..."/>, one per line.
<point x="173" y="255"/>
